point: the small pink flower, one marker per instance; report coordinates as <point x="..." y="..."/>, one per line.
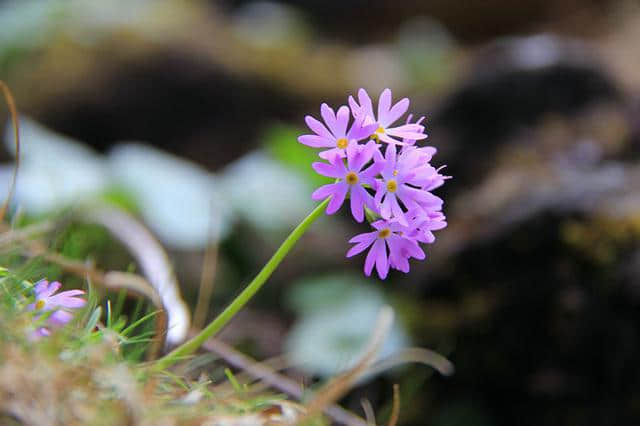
<point x="386" y="116"/>
<point x="58" y="304"/>
<point x="335" y="134"/>
<point x="352" y="178"/>
<point x="391" y="247"/>
<point x="398" y="185"/>
<point x="423" y="224"/>
<point x="409" y="141"/>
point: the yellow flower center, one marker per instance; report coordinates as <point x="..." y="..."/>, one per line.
<point x="384" y="233"/>
<point x="342" y="143"/>
<point x="395" y="173"/>
<point x="40" y="304"/>
<point x="392" y="185"/>
<point x="351" y="178"/>
<point x="375" y="136"/>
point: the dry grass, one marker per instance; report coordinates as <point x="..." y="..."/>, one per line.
<point x="43" y="384"/>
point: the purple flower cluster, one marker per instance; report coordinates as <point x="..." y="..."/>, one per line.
<point x="384" y="174"/>
<point x="57" y="304"/>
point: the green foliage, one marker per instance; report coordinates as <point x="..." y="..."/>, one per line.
<point x="120" y="197"/>
<point x="84" y="241"/>
<point x="281" y="142"/>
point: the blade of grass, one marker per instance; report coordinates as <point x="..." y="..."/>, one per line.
<point x="138" y="322"/>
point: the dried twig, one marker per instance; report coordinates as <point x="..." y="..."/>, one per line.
<point x="275" y="380"/>
<point x="153" y="261"/>
<point x="419" y="355"/>
<point x="207" y="276"/>
<point x="13" y="111"/>
<point x="395" y="411"/>
<point x="369" y="414"/>
<point x="341" y="384"/>
<point x="12" y="236"/>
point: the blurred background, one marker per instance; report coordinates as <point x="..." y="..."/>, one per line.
<point x="186" y="113"/>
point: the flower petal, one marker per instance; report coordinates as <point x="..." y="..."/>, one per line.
<point x="41" y="332"/>
<point x="398" y="257"/>
<point x="337" y="198"/>
<point x="398" y="213"/>
<point x="385" y="207"/>
<point x="359" y="130"/>
<point x="357" y="249"/>
<point x="382" y="263"/>
<point x="407" y="131"/>
<point x="328" y="170"/>
<point x="324" y="191"/>
<point x="415" y="250"/>
<point x="390" y="158"/>
<point x="371" y="258"/>
<point x="41" y="286"/>
<point x="373" y="170"/>
<point x="60" y="318"/>
<point x="318" y="127"/>
<point x="366" y="237"/>
<point x="385" y="137"/>
<point x="329" y="118"/>
<point x="316" y="141"/>
<point x="384" y="104"/>
<point x="396" y="112"/>
<point x="356" y="110"/>
<point x="342" y="121"/>
<point x="67" y="299"/>
<point x="357" y="202"/>
<point x="365" y="104"/>
<point x="330" y="154"/>
<point x="53" y="287"/>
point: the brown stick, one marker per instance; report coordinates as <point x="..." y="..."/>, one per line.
<point x="395" y="411"/>
<point x="13" y="111"/>
<point x="340" y="385"/>
<point x="275" y="380"/>
<point x="209" y="264"/>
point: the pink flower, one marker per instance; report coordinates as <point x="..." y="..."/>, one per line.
<point x="416" y="160"/>
<point x="57" y="304"/>
<point x="408" y="141"/>
<point x="387" y="115"/>
<point x="394" y="188"/>
<point x="336" y="137"/>
<point x="390" y="248"/>
<point x="352" y="179"/>
<point x="423" y="224"/>
<point x="399" y="184"/>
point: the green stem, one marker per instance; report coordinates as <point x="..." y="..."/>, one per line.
<point x="238" y="303"/>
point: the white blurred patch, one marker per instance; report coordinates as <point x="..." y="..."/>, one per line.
<point x="265" y="193"/>
<point x="29" y="23"/>
<point x="26" y="23"/>
<point x="181" y="202"/>
<point x="337" y="314"/>
<point x="536" y="52"/>
<point x="55" y="170"/>
<point x="267" y="24"/>
<point x="424" y="36"/>
<point x="90" y="20"/>
<point x="376" y="67"/>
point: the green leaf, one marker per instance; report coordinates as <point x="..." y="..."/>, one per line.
<point x="281" y="141"/>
